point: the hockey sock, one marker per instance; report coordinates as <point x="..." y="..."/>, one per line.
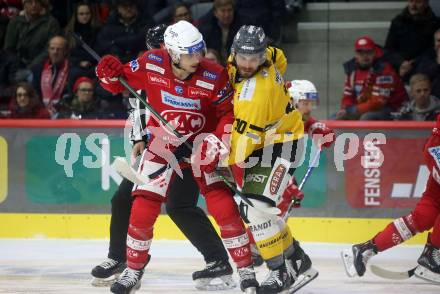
<point x="435" y="236"/>
<point x="223" y="208"/>
<point x="251" y="238"/>
<point x="140" y="231"/>
<point x="398" y="231"/>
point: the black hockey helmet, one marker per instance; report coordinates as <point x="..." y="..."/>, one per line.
<point x="154" y="37"/>
<point x="249" y="40"/>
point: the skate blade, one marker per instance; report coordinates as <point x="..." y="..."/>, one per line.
<point x="106" y="282"/>
<point x="215" y="284"/>
<point x="427" y="275"/>
<point x="347" y="259"/>
<point x="303" y="279"/>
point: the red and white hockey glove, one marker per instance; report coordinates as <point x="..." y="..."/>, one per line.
<point x="210" y="152"/>
<point x="109" y="67"/>
<point x="322" y="135"/>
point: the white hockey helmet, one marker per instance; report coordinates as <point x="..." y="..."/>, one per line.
<point x="302" y="90"/>
<point x="183" y="38"/>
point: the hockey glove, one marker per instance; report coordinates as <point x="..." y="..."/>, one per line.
<point x="210" y="152"/>
<point x="109" y="67"/>
<point x="322" y="135"/>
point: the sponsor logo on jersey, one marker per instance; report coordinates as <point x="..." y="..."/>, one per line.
<point x="184" y="122"/>
<point x="179" y="102"/>
<point x="179" y="89"/>
<point x="209" y="75"/>
<point x="155" y="57"/>
<point x="205" y="85"/>
<point x="248" y="89"/>
<point x="384" y="80"/>
<point x="196" y="92"/>
<point x="278" y="77"/>
<point x="277" y="178"/>
<point x="134" y="65"/>
<point x="158" y="80"/>
<point x="155" y="68"/>
<point x="256" y="178"/>
<point x="435" y="153"/>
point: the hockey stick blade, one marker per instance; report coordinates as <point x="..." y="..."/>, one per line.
<point x="387" y="274"/>
<point x="121" y="166"/>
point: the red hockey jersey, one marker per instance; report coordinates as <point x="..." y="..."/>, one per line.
<point x="202" y="103"/>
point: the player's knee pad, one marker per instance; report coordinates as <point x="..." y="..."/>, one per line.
<point x="265" y="229"/>
<point x="406" y="226"/>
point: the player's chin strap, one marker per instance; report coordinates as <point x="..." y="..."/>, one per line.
<point x="270" y="210"/>
<point x="295" y="202"/>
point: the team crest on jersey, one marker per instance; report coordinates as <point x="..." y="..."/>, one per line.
<point x="184" y="122"/>
<point x="179" y="102"/>
<point x="196" y="92"/>
<point x="155" y="57"/>
<point x="155" y="68"/>
<point x="384" y="80"/>
<point x="158" y="80"/>
<point x="205" y="85"/>
<point x="209" y="75"/>
<point x="134" y="65"/>
<point x="435" y="153"/>
<point x="179" y="90"/>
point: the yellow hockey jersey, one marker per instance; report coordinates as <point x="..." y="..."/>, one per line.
<point x="262" y="111"/>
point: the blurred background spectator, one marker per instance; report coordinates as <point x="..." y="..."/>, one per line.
<point x="85" y="104"/>
<point x="410" y="34"/>
<point x="124" y="33"/>
<point x="182" y="12"/>
<point x="213" y="55"/>
<point x="219" y="27"/>
<point x="85" y="24"/>
<point x="422" y="105"/>
<point x="27" y="35"/>
<point x="51" y="77"/>
<point x="26" y="103"/>
<point x="8" y="71"/>
<point x="372" y="88"/>
<point x="8" y="10"/>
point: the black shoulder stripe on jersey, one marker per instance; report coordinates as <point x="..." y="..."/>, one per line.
<point x="255" y="128"/>
<point x="274" y="56"/>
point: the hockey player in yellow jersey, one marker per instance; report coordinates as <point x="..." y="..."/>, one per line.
<point x="262" y="148"/>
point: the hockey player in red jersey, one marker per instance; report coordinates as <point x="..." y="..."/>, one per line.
<point x="425" y="216"/>
<point x="194" y="96"/>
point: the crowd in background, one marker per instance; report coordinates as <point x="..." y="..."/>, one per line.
<point x="46" y="73"/>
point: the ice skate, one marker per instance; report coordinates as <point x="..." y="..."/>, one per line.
<point x="277" y="281"/>
<point x="356" y="258"/>
<point x="128" y="282"/>
<point x="299" y="266"/>
<point x="429" y="264"/>
<point x="248" y="280"/>
<point x="107" y="272"/>
<point x="217" y="275"/>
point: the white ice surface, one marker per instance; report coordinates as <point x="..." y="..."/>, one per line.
<point x="63" y="266"/>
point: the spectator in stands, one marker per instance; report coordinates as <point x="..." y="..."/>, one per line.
<point x="182" y="12"/>
<point x="263" y="13"/>
<point x="124" y="33"/>
<point x="51" y="77"/>
<point x="8" y="71"/>
<point x="85" y="24"/>
<point x="213" y="55"/>
<point x="429" y="64"/>
<point x="219" y="27"/>
<point x="372" y="88"/>
<point x="8" y="10"/>
<point x="26" y="104"/>
<point x="410" y="34"/>
<point x="27" y="35"/>
<point x="85" y="105"/>
<point x="422" y="106"/>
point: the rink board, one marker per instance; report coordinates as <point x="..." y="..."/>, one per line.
<point x="74" y="226"/>
<point x="56" y="180"/>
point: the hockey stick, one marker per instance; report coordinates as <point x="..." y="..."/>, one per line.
<point x="270" y="210"/>
<point x="387" y="274"/>
<point x="301" y="185"/>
